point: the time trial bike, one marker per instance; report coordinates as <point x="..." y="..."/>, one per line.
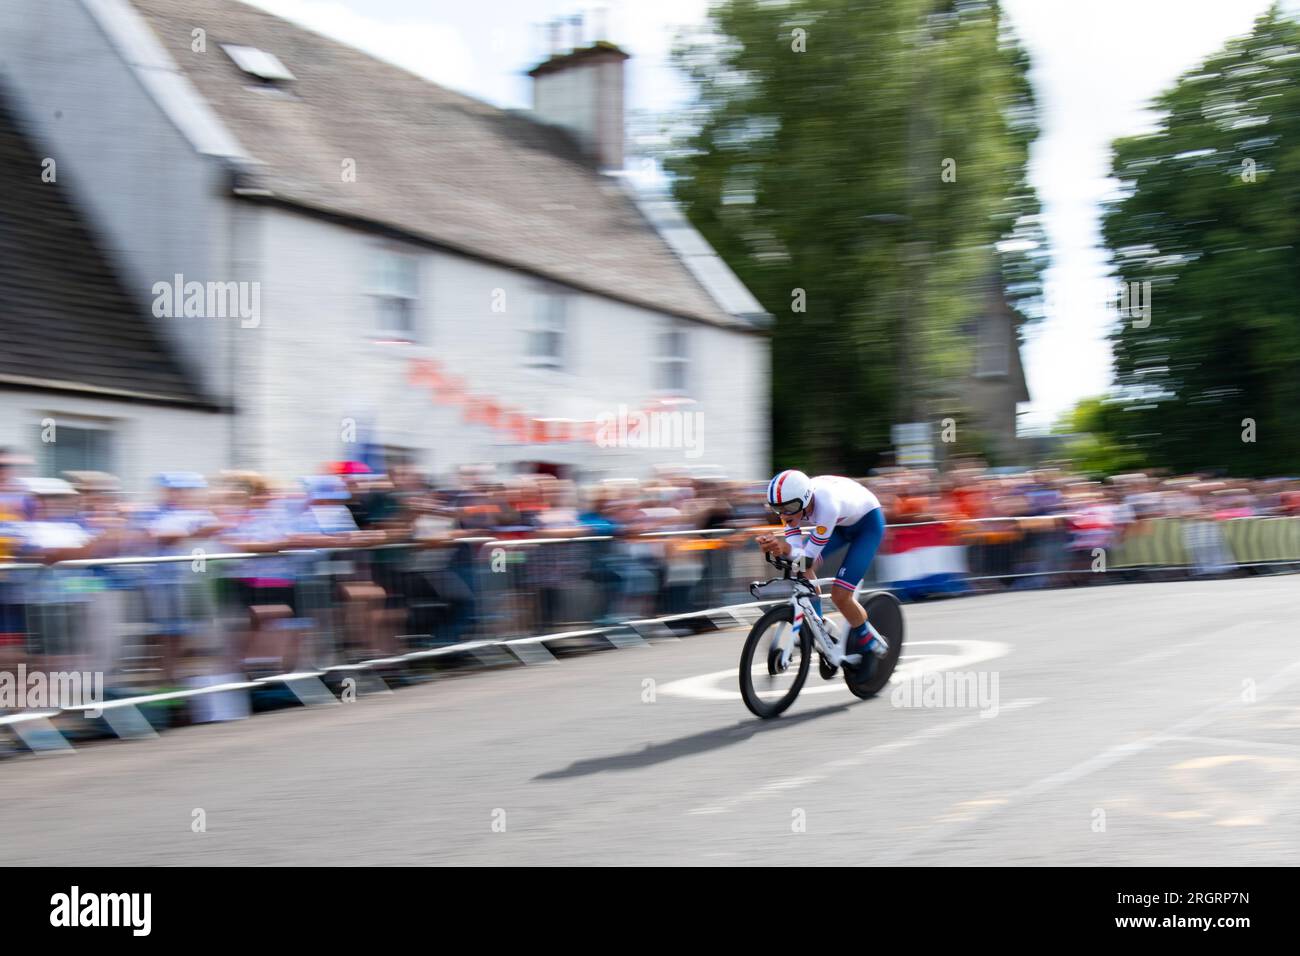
<point x="778" y="651"/>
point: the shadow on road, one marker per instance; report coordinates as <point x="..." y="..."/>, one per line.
<point x="652" y="754"/>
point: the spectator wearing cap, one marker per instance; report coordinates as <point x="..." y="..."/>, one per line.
<point x="58" y="597"/>
<point x="52" y="532"/>
<point x="180" y="602"/>
<point x="181" y="515"/>
<point x="325" y="519"/>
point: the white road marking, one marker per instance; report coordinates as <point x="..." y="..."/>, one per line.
<point x="863" y="756"/>
<point x="1238" y="743"/>
<point x="1280" y="680"/>
<point x="1176" y="649"/>
<point x="1251" y="802"/>
<point x="706" y="686"/>
<point x="1163" y="653"/>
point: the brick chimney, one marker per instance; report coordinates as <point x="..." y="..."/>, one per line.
<point x="582" y="91"/>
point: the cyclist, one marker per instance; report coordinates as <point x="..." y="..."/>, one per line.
<point x="841" y="512"/>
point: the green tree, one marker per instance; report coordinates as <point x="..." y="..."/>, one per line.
<point x="1209" y="215"/>
<point x="1090" y="431"/>
<point x="862" y="160"/>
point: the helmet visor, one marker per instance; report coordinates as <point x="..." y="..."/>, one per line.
<point x="788" y="508"/>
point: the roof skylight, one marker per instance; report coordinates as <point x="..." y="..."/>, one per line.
<point x="258" y="63"/>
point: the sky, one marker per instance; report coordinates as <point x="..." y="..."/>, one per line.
<point x="1096" y="66"/>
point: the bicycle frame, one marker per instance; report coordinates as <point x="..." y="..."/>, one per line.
<point x="805" y="613"/>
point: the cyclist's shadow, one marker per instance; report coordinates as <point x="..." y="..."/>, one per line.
<point x="652" y="754"/>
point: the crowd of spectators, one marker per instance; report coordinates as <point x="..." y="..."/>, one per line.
<point x="1035" y="522"/>
<point x="373" y="563"/>
<point x="344" y="564"/>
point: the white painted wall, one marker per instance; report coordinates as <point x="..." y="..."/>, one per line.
<point x="147" y="439"/>
<point x="320" y="365"/>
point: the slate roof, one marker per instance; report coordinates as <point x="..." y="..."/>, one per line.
<point x="66" y="321"/>
<point x="430" y="163"/>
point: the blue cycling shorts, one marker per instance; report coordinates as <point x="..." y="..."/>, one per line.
<point x="863" y="538"/>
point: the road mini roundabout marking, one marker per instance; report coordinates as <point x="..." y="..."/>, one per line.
<point x="917" y="659"/>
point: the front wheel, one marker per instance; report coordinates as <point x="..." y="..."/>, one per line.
<point x="774" y="663"/>
<point x="886" y="616"/>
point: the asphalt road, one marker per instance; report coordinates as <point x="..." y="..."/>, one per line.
<point x="1138" y="724"/>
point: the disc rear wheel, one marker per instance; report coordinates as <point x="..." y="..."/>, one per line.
<point x="886" y="616"/>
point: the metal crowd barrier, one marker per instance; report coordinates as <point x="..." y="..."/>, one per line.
<point x="169" y="621"/>
<point x="927" y="558"/>
<point x="533" y="585"/>
<point x="180" y="621"/>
